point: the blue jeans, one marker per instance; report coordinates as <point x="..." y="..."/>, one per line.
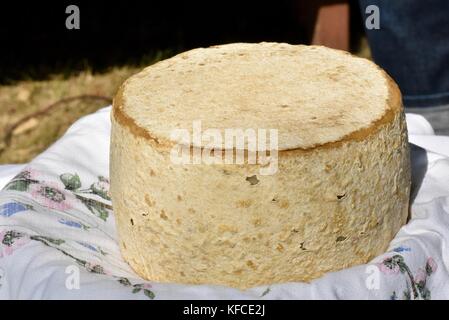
<point x="412" y="45"/>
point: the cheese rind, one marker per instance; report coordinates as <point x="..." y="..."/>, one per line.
<point x="338" y="198"/>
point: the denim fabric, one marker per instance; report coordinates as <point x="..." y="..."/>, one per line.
<point x="437" y="116"/>
<point x="412" y="45"/>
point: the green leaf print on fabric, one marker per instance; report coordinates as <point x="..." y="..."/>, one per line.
<point x="416" y="283"/>
<point x="19" y="185"/>
<point x="124" y="281"/>
<point x="71" y="181"/>
<point x="21" y="182"/>
<point x="136" y="288"/>
<point x="10" y="240"/>
<point x="95" y="207"/>
<point x="267" y="291"/>
<point x="150" y="294"/>
<point x="101" y="188"/>
<point x="47" y="240"/>
<point x="10" y="236"/>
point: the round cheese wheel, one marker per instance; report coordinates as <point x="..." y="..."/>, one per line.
<point x="319" y="182"/>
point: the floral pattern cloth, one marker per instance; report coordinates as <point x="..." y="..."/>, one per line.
<point x="61" y="198"/>
<point x="58" y="238"/>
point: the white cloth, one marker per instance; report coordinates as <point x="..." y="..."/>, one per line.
<point x="57" y="227"/>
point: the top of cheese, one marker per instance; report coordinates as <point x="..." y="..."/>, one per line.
<point x="312" y="95"/>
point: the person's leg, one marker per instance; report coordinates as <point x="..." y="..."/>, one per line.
<point x="412" y="45"/>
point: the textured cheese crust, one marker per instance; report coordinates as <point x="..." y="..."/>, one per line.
<point x="336" y="201"/>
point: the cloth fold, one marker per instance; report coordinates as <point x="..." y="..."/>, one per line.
<point x="58" y="238"/>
